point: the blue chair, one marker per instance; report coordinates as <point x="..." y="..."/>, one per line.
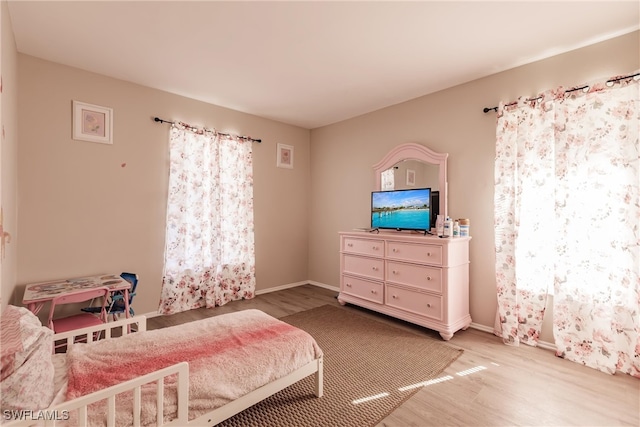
<point x="116" y="304"/>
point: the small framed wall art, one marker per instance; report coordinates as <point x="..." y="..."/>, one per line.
<point x="284" y="156"/>
<point x="411" y="177"/>
<point x="92" y="123"/>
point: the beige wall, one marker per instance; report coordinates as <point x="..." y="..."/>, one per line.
<point x="82" y="211"/>
<point x="452" y="121"/>
<point x="9" y="156"/>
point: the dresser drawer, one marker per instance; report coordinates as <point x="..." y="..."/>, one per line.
<point x="368" y="267"/>
<point x="424" y="254"/>
<point x="372" y="291"/>
<point x="424" y="277"/>
<point x="363" y="246"/>
<point x="414" y="301"/>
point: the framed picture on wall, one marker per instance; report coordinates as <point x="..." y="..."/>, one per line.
<point x="411" y="177"/>
<point x="284" y="156"/>
<point x="92" y="123"/>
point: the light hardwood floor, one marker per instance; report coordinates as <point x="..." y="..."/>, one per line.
<point x="508" y="386"/>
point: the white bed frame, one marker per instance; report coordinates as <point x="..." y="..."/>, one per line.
<point x="125" y="326"/>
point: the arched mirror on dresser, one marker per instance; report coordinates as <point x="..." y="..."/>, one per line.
<point x="414" y="166"/>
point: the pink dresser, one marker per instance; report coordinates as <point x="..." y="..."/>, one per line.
<point x="420" y="279"/>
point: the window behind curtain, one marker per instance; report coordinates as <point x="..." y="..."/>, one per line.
<point x="567" y="219"/>
<point x="209" y="255"/>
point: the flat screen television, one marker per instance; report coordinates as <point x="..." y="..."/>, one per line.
<point x="401" y="209"/>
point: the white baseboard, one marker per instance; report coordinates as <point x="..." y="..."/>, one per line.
<point x="152" y="314"/>
<point x="542" y="344"/>
<point x="323" y="285"/>
<point x="480" y="327"/>
<point x="296" y="284"/>
<point x="281" y="287"/>
<point x="547" y="346"/>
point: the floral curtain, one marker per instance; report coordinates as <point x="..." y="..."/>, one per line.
<point x="567" y="217"/>
<point x="209" y="242"/>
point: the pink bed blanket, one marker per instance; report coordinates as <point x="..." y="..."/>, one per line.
<point x="229" y="355"/>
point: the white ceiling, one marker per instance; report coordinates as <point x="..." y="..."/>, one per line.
<point x="309" y="63"/>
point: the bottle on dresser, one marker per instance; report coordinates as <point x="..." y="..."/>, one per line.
<point x="464" y="227"/>
<point x="448" y="227"/>
<point x="456" y="229"/>
<point x="440" y="225"/>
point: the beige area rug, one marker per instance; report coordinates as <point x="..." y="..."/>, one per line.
<point x="362" y="358"/>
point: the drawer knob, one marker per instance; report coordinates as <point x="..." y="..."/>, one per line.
<point x="375" y="248"/>
<point x="348" y="285"/>
<point x="428" y="253"/>
<point x="394" y="272"/>
<point x="428" y="277"/>
<point x="350" y="244"/>
<point x="394" y="297"/>
<point x="395" y="250"/>
<point x="372" y="291"/>
<point x="374" y="268"/>
<point x="428" y="305"/>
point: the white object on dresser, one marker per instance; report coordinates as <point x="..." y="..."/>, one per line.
<point x="420" y="279"/>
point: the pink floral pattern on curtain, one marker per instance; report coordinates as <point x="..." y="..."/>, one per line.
<point x="209" y="242"/>
<point x="567" y="214"/>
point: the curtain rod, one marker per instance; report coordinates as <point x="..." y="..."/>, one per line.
<point x="159" y="120"/>
<point x="487" y="109"/>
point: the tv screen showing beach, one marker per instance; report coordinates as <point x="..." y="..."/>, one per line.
<point x="401" y="209"/>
